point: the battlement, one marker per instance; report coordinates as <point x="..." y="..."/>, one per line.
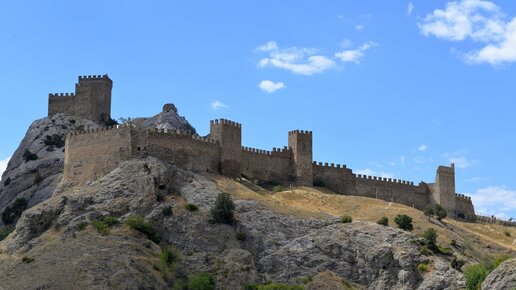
<point x="94" y="78"/>
<point x="384" y="179"/>
<point x="61" y="95"/>
<point x="331" y="165"/>
<point x="225" y="122"/>
<point x="462" y="196"/>
<point x="300" y="132"/>
<point x="257" y="151"/>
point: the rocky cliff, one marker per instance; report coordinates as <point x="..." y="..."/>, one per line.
<point x="56" y="242"/>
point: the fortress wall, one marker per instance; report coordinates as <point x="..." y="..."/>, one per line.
<point x="337" y="178"/>
<point x="95" y="153"/>
<point x="463" y="205"/>
<point x="59" y="103"/>
<point x="184" y="150"/>
<point x="388" y="189"/>
<point x="266" y="165"/>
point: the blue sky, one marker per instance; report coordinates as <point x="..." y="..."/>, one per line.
<point x="391" y="88"/>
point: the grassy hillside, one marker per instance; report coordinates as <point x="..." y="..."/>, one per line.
<point x="475" y="241"/>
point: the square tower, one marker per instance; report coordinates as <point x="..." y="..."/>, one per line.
<point x="300" y="142"/>
<point x="229" y="136"/>
<point x="444" y="188"/>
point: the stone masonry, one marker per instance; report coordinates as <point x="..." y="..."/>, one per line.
<point x="91" y="154"/>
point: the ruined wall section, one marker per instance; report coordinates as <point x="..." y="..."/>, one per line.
<point x="94" y="153"/>
<point x="267" y="165"/>
<point x="228" y="134"/>
<point x="300" y="142"/>
<point x="182" y="149"/>
<point x="337" y="178"/>
<point x="464" y="207"/>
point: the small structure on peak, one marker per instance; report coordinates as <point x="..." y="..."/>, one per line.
<point x="169" y="107"/>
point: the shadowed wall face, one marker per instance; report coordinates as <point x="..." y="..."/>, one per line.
<point x="300" y="142"/>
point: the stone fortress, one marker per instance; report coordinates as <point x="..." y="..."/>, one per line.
<point x="90" y="154"/>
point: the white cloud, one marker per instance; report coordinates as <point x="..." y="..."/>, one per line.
<point x="302" y="61"/>
<point x="495" y="200"/>
<point x="477" y="20"/>
<point x="462" y="161"/>
<point x="270" y="86"/>
<point x="371" y="172"/>
<point x="3" y="165"/>
<point x="403" y="159"/>
<point x="217" y="105"/>
<point x="410" y="8"/>
<point x="359" y="27"/>
<point x="354" y="55"/>
<point x="423" y="148"/>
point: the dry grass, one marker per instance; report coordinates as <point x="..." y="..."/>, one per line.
<point x="320" y="203"/>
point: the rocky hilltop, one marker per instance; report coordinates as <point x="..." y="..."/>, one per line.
<point x="277" y="247"/>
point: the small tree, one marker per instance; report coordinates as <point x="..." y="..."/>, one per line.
<point x="439" y="212"/>
<point x="346" y="219"/>
<point x="384" y="221"/>
<point x="222" y="211"/>
<point x="430" y="236"/>
<point x="429" y="212"/>
<point x="404" y="222"/>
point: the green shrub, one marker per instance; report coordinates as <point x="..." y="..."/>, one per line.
<point x="439" y="212"/>
<point x="384" y="221"/>
<point x="13" y="212"/>
<point x="475" y="275"/>
<point x="453" y="243"/>
<point x="110" y="220"/>
<point x="346" y="219"/>
<point x="424" y="250"/>
<point x="222" y="211"/>
<point x="430" y="238"/>
<point x="138" y="223"/>
<point x="456" y="263"/>
<point x="404" y="222"/>
<point x="507" y="233"/>
<point x="500" y="259"/>
<point x="445" y="250"/>
<point x="241" y="236"/>
<point x="79" y="129"/>
<point x="422" y="267"/>
<point x="82" y="225"/>
<point x="29" y="156"/>
<point x="306" y="279"/>
<point x="54" y="140"/>
<point x="5" y="231"/>
<point x="7" y="181"/>
<point x="429" y="211"/>
<point x="275" y="286"/>
<point x="167" y="210"/>
<point x="27" y="259"/>
<point x="191" y="207"/>
<point x="203" y="281"/>
<point x="168" y="258"/>
<point x="101" y="227"/>
<point x="278" y="188"/>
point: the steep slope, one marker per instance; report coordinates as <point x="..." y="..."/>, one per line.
<point x="502" y="278"/>
<point x="278" y="246"/>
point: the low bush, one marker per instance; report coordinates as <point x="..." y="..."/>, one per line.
<point x="241" y="236"/>
<point x="430" y="238"/>
<point x="424" y="250"/>
<point x="191" y="207"/>
<point x="81" y="226"/>
<point x="346" y="219"/>
<point x="422" y="267"/>
<point x="453" y="243"/>
<point x="278" y="188"/>
<point x="101" y="227"/>
<point x="13" y="212"/>
<point x="222" y="211"/>
<point x="384" y="221"/>
<point x="275" y="286"/>
<point x="167" y="210"/>
<point x="110" y="220"/>
<point x="445" y="250"/>
<point x="27" y="259"/>
<point x="54" y="140"/>
<point x="168" y="258"/>
<point x="5" y="231"/>
<point x="500" y="259"/>
<point x="475" y="275"/>
<point x="404" y="222"/>
<point x="203" y="281"/>
<point x="29" y="156"/>
<point x="138" y="223"/>
<point x="507" y="233"/>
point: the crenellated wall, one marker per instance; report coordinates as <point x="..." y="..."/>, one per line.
<point x="267" y="165"/>
<point x="335" y="177"/>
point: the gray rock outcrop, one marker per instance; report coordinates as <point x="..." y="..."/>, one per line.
<point x="502" y="278"/>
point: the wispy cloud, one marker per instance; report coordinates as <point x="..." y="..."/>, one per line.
<point x="462" y="161"/>
<point x="477" y="20"/>
<point x="359" y="27"/>
<point x="371" y="172"/>
<point x="217" y="105"/>
<point x="3" y="165"/>
<point x="495" y="200"/>
<point x="355" y="55"/>
<point x="410" y="8"/>
<point x="303" y="61"/>
<point x="422" y="148"/>
<point x="270" y="86"/>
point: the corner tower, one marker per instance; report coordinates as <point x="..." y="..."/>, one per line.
<point x="444" y="188"/>
<point x="229" y="136"/>
<point x="300" y="142"/>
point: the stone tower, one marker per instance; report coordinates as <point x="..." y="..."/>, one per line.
<point x="92" y="99"/>
<point x="444" y="188"/>
<point x="300" y="142"/>
<point x="229" y="136"/>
